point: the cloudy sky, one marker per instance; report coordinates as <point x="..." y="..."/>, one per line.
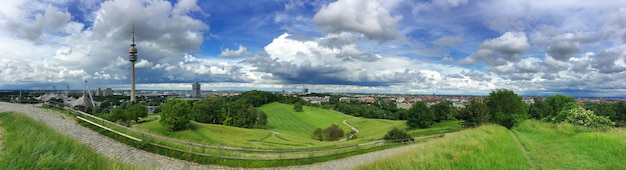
<point x="534" y="47"/>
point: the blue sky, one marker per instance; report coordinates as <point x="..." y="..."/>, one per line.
<point x="534" y="47"/>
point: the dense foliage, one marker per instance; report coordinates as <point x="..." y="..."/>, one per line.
<point x="238" y="111"/>
<point x="331" y="133"/>
<point x="576" y="115"/>
<point x="474" y="114"/>
<point x="506" y="108"/>
<point x="420" y="116"/>
<point x="175" y="114"/>
<point x="298" y="107"/>
<point x="398" y="135"/>
<point x="615" y="111"/>
<point x="444" y="111"/>
<point x="550" y="107"/>
<point x="125" y="113"/>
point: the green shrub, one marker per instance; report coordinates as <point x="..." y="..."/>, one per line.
<point x="175" y="114"/>
<point x="398" y="135"/>
<point x="576" y="115"/>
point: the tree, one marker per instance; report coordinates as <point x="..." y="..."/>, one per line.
<point x="297" y="107"/>
<point x="506" y="108"/>
<point x="118" y="115"/>
<point x="208" y="111"/>
<point x="333" y="132"/>
<point x="262" y="119"/>
<point x="175" y="114"/>
<point x="398" y="135"/>
<point x="137" y="111"/>
<point x="443" y="111"/>
<point x="576" y="115"/>
<point x="539" y="109"/>
<point x="420" y="116"/>
<point x="318" y="134"/>
<point x="474" y="114"/>
<point x="556" y="103"/>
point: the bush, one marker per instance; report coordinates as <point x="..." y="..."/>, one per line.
<point x="298" y="107"/>
<point x="506" y="108"/>
<point x="573" y="114"/>
<point x="398" y="135"/>
<point x="175" y="114"/>
<point x="474" y="114"/>
<point x="420" y="116"/>
<point x="331" y="133"/>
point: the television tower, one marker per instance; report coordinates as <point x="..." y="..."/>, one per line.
<point x="132" y="58"/>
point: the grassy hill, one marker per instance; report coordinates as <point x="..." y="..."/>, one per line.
<point x="539" y="145"/>
<point x="282" y="118"/>
<point x="29" y="144"/>
<point x="286" y="129"/>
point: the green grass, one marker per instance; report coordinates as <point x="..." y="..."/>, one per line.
<point x="282" y="118"/>
<point x="485" y="147"/>
<point x="437" y="128"/>
<point x="541" y="146"/>
<point x="29" y="144"/>
<point x="566" y="146"/>
<point x="286" y="129"/>
<point x="374" y="129"/>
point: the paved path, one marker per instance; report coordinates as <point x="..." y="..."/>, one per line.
<point x="111" y="148"/>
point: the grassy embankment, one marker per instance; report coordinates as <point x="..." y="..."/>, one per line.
<point x="29" y="144"/>
<point x="543" y="146"/>
<point x="566" y="146"/>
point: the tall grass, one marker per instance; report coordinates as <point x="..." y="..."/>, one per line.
<point x="566" y="146"/>
<point x="485" y="147"/>
<point x="29" y="144"/>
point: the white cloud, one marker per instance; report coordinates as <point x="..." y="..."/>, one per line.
<point x="240" y="52"/>
<point x="363" y="16"/>
<point x="499" y="51"/>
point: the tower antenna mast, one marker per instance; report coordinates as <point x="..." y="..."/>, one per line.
<point x="132" y="58"/>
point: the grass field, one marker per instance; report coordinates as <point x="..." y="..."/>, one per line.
<point x="374" y="129"/>
<point x="286" y="129"/>
<point x="437" y="128"/>
<point x="565" y="146"/>
<point x="486" y="147"/>
<point x="282" y="118"/>
<point x="29" y="144"/>
<point x="541" y="146"/>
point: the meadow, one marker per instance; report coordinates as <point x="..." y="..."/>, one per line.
<point x="29" y="144"/>
<point x="532" y="145"/>
<point x="286" y="129"/>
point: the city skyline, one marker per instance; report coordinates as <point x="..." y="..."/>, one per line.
<point x="460" y="47"/>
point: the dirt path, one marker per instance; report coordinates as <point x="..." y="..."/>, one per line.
<point x="345" y="122"/>
<point x="524" y="149"/>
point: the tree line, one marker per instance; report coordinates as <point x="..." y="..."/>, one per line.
<point x="237" y="111"/>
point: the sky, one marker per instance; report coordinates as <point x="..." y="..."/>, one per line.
<point x="464" y="47"/>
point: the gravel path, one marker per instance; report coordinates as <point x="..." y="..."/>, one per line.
<point x="148" y="160"/>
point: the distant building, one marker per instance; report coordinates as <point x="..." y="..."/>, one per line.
<point x="305" y="90"/>
<point x="195" y="90"/>
<point x="99" y="92"/>
<point x="108" y="92"/>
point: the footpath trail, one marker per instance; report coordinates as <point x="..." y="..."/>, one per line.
<point x="147" y="160"/>
<point x="523" y="148"/>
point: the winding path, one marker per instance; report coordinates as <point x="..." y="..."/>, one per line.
<point x="147" y="160"/>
